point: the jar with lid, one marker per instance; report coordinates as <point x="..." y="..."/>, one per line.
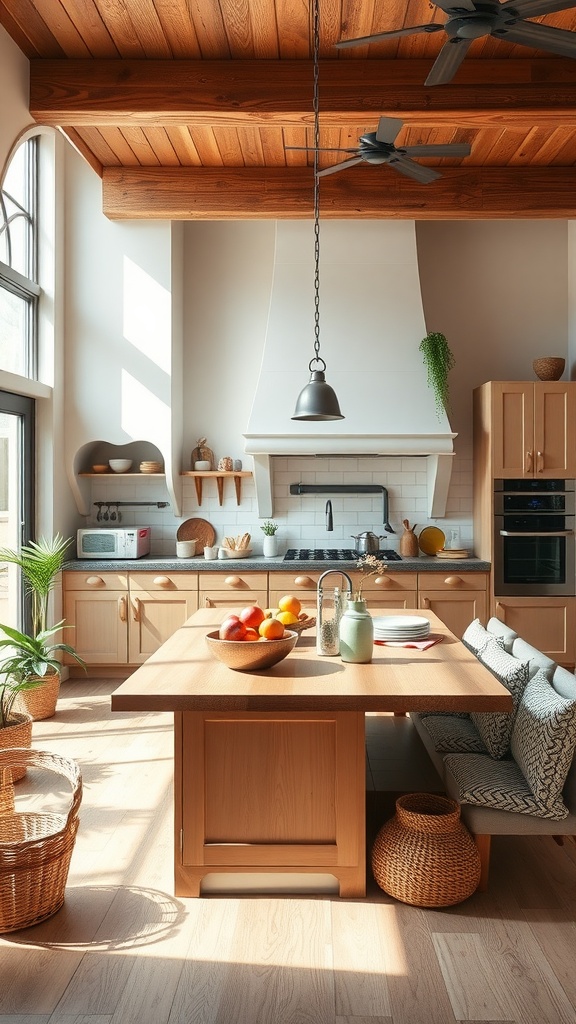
<point x="330" y="603"/>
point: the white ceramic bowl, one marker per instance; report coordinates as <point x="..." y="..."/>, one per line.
<point x="120" y="465"/>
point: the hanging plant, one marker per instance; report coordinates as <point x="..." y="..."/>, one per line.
<point x="439" y="361"/>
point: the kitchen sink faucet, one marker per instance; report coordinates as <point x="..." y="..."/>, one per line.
<point x="329" y="519"/>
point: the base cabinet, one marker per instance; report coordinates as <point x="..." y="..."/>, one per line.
<point x="456" y="598"/>
<point x="234" y="589"/>
<point x="122" y="618"/>
<point x="265" y="792"/>
<point x="547" y="623"/>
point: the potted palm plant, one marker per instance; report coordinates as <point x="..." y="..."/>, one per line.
<point x="31" y="670"/>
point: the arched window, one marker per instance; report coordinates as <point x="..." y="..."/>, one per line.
<point x="19" y="289"/>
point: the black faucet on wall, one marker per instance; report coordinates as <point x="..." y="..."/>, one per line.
<point x="329" y="519"/>
<point x="345" y="489"/>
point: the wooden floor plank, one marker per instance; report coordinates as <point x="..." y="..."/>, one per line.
<point x="360" y="968"/>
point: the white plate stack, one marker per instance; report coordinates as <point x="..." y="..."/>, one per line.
<point x="401" y="627"/>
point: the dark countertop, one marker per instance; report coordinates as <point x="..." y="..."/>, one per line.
<point x="425" y="563"/>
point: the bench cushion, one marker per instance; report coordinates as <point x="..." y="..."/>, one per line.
<point x="451" y="734"/>
<point x="486" y="782"/>
<point x="503" y="632"/>
<point x="543" y="740"/>
<point x="536" y="660"/>
<point x="475" y="637"/>
<point x="495" y="727"/>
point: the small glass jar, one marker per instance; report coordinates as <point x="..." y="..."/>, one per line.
<point x="328" y="615"/>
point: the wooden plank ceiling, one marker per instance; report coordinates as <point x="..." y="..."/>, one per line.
<point x="185" y="108"/>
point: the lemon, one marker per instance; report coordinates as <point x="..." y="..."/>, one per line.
<point x="287" y="618"/>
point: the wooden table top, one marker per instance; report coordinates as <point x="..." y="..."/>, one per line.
<point x="183" y="676"/>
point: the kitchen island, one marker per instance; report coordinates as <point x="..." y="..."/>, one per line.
<point x="269" y="767"/>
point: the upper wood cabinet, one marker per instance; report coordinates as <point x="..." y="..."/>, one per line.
<point x="529" y="428"/>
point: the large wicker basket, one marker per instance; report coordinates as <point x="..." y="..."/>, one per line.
<point x="40" y="701"/>
<point x="35" y="848"/>
<point x="17" y="734"/>
<point x="425" y="855"/>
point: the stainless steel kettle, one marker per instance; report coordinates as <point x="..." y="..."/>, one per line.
<point x="367" y="543"/>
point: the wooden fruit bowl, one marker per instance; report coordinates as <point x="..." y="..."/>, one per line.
<point x="251" y="655"/>
<point x="303" y="624"/>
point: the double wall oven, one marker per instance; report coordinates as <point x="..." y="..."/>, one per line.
<point x="534" y="546"/>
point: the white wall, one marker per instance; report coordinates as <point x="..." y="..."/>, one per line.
<point x="14" y="91"/>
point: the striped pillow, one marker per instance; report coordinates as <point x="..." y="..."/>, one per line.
<point x="495" y="727"/>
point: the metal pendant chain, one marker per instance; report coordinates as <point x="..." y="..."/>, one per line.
<point x="316" y="109"/>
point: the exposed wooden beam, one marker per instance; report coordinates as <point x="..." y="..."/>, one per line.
<point x="83" y="93"/>
<point x="361" y="192"/>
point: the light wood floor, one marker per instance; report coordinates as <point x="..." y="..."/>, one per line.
<point x="124" y="950"/>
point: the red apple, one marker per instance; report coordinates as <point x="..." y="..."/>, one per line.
<point x="232" y="629"/>
<point x="252" y="616"/>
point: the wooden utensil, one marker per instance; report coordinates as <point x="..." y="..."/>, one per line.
<point x="408" y="541"/>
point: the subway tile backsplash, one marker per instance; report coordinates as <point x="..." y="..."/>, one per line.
<point x="301" y="518"/>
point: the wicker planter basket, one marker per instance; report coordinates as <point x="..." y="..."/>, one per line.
<point x="35" y="848"/>
<point x="425" y="855"/>
<point x="40" y="702"/>
<point x="17" y="734"/>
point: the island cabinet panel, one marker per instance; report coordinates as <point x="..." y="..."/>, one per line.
<point x="271" y="792"/>
<point x="232" y="589"/>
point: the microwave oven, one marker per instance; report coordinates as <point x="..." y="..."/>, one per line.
<point x="129" y="542"/>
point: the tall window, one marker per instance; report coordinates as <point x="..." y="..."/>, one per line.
<point x="19" y="290"/>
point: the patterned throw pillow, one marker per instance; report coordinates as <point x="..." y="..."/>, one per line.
<point x="543" y="741"/>
<point x="475" y="637"/>
<point x="499" y="784"/>
<point x="451" y="734"/>
<point x="495" y="727"/>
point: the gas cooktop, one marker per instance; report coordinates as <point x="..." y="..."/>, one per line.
<point x="334" y="555"/>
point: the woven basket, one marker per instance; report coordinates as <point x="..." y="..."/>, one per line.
<point x="425" y="855"/>
<point x="40" y="702"/>
<point x="17" y="734"/>
<point x="35" y="848"/>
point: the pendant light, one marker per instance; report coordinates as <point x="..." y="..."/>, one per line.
<point x="317" y="401"/>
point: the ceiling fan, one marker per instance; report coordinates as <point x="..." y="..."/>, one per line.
<point x="472" y="19"/>
<point x="378" y="148"/>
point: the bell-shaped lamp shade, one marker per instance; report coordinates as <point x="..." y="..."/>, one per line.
<point x="317" y="401"/>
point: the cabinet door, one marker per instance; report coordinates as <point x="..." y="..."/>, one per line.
<point x="457" y="610"/>
<point x="547" y="623"/>
<point x="554" y="429"/>
<point x="99" y="621"/>
<point x="513" y="429"/>
<point x="154" y="617"/>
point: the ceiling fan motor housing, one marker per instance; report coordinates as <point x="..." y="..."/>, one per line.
<point x="485" y="19"/>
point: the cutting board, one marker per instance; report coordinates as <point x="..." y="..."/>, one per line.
<point x="200" y="529"/>
<point x="453" y="553"/>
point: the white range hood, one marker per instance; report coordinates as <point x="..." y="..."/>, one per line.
<point x="371" y="325"/>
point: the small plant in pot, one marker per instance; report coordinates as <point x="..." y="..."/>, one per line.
<point x="31" y="667"/>
<point x="270" y="546"/>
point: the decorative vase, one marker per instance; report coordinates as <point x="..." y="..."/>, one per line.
<point x="425" y="855"/>
<point x="409" y="541"/>
<point x="356" y="633"/>
<point x="549" y="367"/>
<point x="270" y="546"/>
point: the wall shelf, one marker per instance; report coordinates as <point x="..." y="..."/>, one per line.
<point x="220" y="476"/>
<point x="101" y="476"/>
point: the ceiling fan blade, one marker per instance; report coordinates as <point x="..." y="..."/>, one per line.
<point x="541" y="37"/>
<point x="450" y="149"/>
<point x="453" y="6"/>
<point x="323" y="149"/>
<point x="339" y="167"/>
<point x="535" y="8"/>
<point x="395" y="34"/>
<point x="413" y="170"/>
<point x="388" y="128"/>
<point x="448" y="61"/>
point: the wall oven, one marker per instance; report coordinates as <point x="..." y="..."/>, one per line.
<point x="534" y="547"/>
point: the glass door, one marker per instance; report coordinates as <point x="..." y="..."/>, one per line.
<point x="16" y="497"/>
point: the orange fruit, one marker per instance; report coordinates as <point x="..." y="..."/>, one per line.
<point x="290" y="603"/>
<point x="271" y="629"/>
<point x="287" y="618"/>
<point x="252" y="634"/>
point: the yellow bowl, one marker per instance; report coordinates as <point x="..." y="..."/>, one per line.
<point x="100" y="469"/>
<point x="251" y="655"/>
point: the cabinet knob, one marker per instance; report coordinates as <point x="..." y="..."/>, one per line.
<point x="95" y="581"/>
<point x="162" y="581"/>
<point x="304" y="581"/>
<point x="384" y="581"/>
<point x="453" y="581"/>
<point x="233" y="581"/>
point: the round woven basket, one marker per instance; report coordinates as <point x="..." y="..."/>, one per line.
<point x="40" y="701"/>
<point x="17" y="734"/>
<point x="549" y="367"/>
<point x="425" y="855"/>
<point x="35" y="848"/>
